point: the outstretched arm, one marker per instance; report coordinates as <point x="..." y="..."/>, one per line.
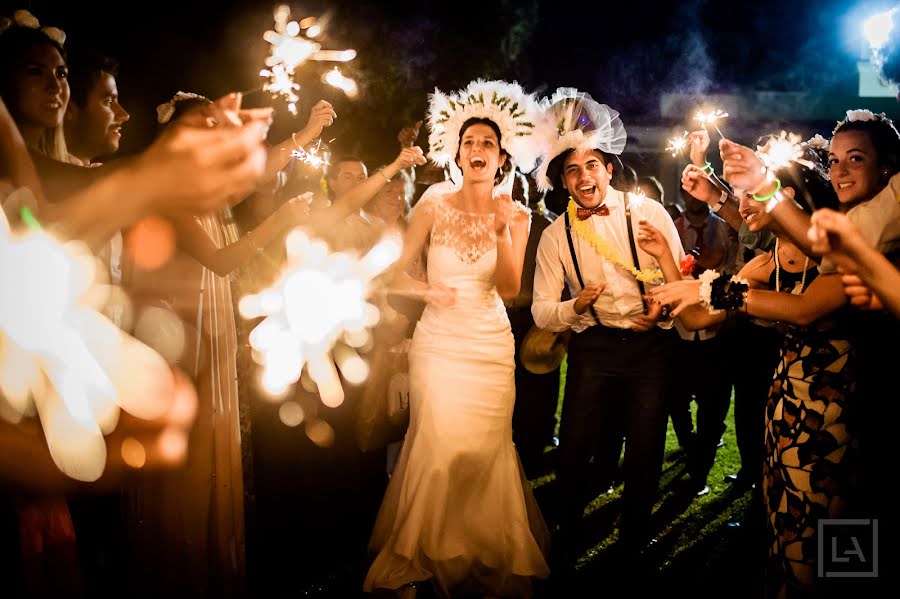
<point x="193" y="239"/>
<point x="357" y="197"/>
<point x="322" y="115"/>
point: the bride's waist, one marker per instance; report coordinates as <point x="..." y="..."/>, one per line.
<point x="475" y="297"/>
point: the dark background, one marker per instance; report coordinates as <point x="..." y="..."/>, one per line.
<point x="626" y="54"/>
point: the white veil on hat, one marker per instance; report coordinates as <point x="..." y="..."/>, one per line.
<point x="577" y="121"/>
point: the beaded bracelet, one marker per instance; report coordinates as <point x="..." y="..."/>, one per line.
<point x="766" y="198"/>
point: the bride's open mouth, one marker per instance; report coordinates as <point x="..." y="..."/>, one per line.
<point x="477" y="163"/>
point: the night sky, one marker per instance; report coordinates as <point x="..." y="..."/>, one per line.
<point x="626" y="54"/>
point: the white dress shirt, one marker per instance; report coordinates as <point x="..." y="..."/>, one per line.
<point x="620" y="301"/>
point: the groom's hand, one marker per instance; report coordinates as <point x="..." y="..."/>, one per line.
<point x="587" y="297"/>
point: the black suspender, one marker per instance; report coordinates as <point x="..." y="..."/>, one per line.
<point x="575" y="262"/>
<point x="634" y="254"/>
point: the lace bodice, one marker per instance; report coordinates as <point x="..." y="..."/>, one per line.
<point x="469" y="234"/>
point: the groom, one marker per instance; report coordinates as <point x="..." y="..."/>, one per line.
<point x="619" y="349"/>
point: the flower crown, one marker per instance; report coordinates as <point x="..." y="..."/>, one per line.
<point x="580" y="123"/>
<point x="165" y="111"/>
<point x="863" y="115"/>
<point x="23" y="18"/>
<point x="515" y="113"/>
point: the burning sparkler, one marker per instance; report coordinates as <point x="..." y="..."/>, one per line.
<point x="63" y="359"/>
<point x="710" y="118"/>
<point x="293" y="45"/>
<point x="779" y="152"/>
<point x="335" y="78"/>
<point x="315" y="316"/>
<point x="677" y="144"/>
<point x="310" y="157"/>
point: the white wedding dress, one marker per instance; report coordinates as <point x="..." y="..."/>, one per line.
<point x="458" y="509"/>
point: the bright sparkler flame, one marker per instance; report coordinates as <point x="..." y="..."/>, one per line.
<point x="877" y="29"/>
<point x="315" y="315"/>
<point x="637" y="197"/>
<point x="310" y="157"/>
<point x="290" y="48"/>
<point x="779" y="152"/>
<point x="60" y="357"/>
<point x="677" y="144"/>
<point x="710" y="118"/>
<point x="335" y="78"/>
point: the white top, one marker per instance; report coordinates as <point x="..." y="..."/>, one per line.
<point x="877" y="219"/>
<point x="621" y="300"/>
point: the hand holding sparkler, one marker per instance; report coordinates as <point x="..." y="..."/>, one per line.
<point x="698" y="142"/>
<point x="322" y="115"/>
<point x="742" y="168"/>
<point x="695" y="182"/>
<point x="407" y="157"/>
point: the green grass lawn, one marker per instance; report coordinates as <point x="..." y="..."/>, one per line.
<point x="696" y="539"/>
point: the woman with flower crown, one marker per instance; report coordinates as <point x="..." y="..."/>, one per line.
<point x="458" y="510"/>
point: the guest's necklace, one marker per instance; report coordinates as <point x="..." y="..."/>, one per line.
<point x="795" y="291"/>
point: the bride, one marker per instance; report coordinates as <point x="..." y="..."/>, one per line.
<point x="458" y="510"/>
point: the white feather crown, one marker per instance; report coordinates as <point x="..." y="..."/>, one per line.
<point x="578" y="122"/>
<point x="515" y="113"/>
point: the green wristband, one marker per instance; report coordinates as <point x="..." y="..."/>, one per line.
<point x="771" y="195"/>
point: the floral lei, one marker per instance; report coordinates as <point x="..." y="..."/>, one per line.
<point x="586" y="232"/>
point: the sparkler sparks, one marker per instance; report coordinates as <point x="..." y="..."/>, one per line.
<point x="60" y="357"/>
<point x="335" y="78"/>
<point x="315" y="316"/>
<point x="677" y="144"/>
<point x="710" y="118"/>
<point x="291" y="46"/>
<point x="779" y="152"/>
<point x="310" y="157"/>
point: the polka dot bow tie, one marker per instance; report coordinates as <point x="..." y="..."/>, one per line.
<point x="585" y="213"/>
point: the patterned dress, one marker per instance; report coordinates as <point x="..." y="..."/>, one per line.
<point x="811" y="442"/>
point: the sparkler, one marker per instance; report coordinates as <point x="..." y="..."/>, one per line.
<point x="310" y="157"/>
<point x="292" y="45"/>
<point x="335" y="78"/>
<point x="315" y="316"/>
<point x="710" y="118"/>
<point x="677" y="144"/>
<point x="779" y="152"/>
<point x="62" y="358"/>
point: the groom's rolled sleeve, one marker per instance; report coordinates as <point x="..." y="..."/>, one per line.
<point x="549" y="313"/>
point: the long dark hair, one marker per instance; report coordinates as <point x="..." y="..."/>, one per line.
<point x="508" y="165"/>
<point x="15" y="43"/>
